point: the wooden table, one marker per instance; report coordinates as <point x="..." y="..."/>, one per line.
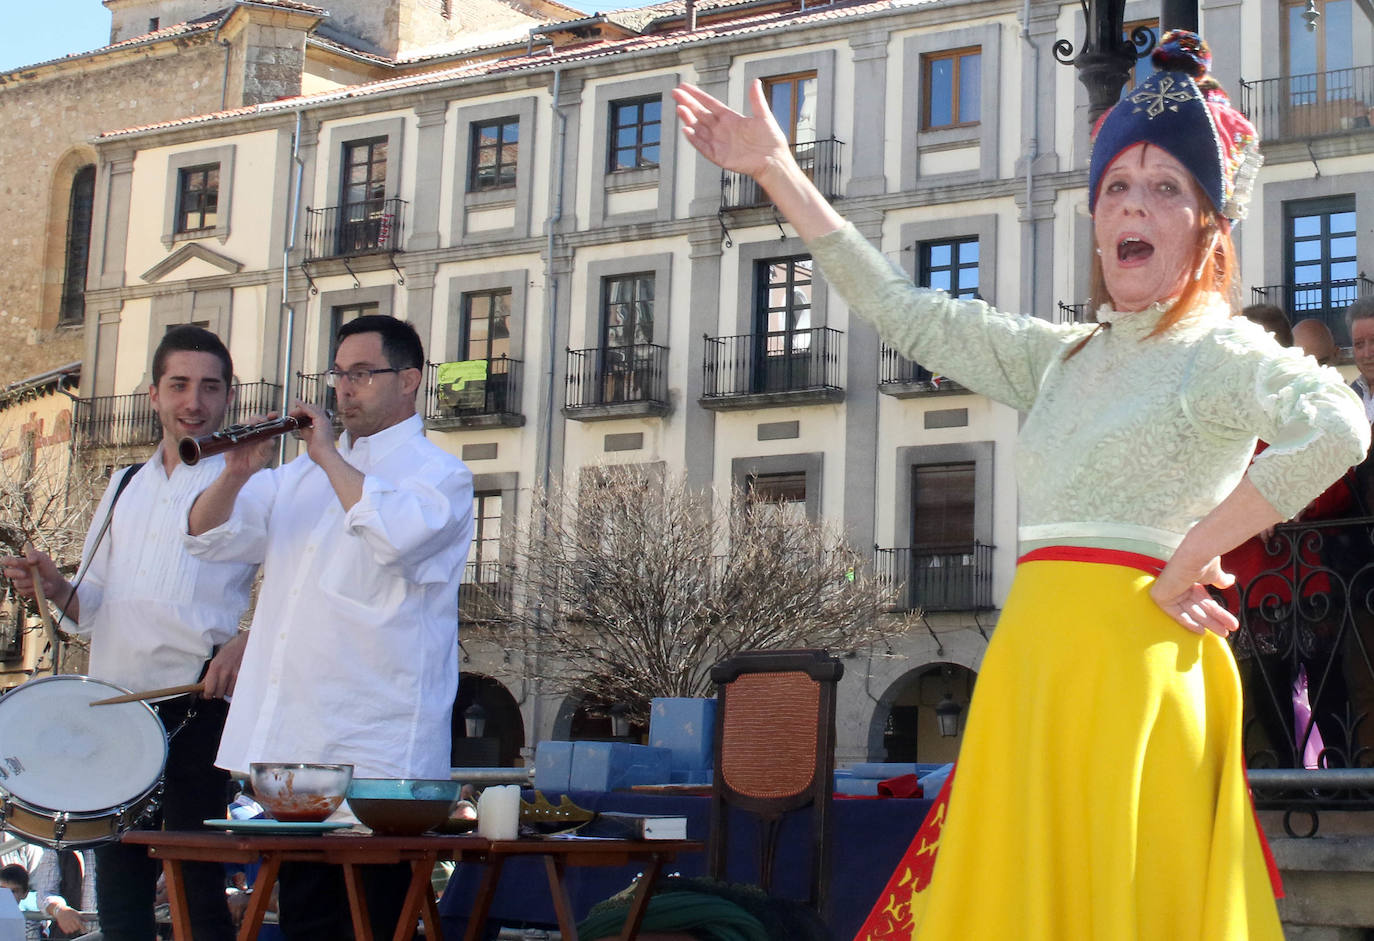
<point x="350" y="850"/>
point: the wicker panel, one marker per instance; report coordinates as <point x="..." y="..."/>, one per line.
<point x="769" y="739"/>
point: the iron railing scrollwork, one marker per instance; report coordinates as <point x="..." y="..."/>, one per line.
<point x="946" y="579"/>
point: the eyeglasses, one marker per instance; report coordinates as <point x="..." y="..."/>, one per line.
<point x="358" y="376"/>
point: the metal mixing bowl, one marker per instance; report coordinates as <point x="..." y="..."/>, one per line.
<point x="299" y="791"/>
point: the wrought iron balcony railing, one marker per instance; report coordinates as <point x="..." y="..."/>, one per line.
<point x="486" y="592"/>
<point x="128" y="421"/>
<point x="782" y="361"/>
<point x="617" y="375"/>
<point x="1305" y="649"/>
<point x="473" y="388"/>
<point x="117" y="421"/>
<point x="819" y="160"/>
<point x="1324" y="300"/>
<point x="1299" y="106"/>
<point x="365" y="228"/>
<point x="894" y="369"/>
<point x="939" y="580"/>
<point x="1074" y="313"/>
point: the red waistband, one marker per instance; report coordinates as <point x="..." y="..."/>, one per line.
<point x="1145" y="563"/>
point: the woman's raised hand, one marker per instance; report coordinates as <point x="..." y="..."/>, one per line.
<point x="751" y="144"/>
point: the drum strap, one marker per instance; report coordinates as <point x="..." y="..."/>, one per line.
<point x="104" y="528"/>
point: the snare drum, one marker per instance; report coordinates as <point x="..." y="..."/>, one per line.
<point x="73" y="775"/>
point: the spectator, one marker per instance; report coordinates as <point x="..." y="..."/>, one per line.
<point x="16" y="878"/>
<point x="1315" y="339"/>
<point x="1272" y="319"/>
<point x="1360" y="317"/>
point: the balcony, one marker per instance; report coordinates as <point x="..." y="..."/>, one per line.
<point x="1324" y="300"/>
<point x="367" y="228"/>
<point x="819" y="160"/>
<point x="763" y="370"/>
<point x="481" y="393"/>
<point x="945" y="580"/>
<point x="1297" y="107"/>
<point x="128" y="421"/>
<point x="1075" y="313"/>
<point x="900" y="378"/>
<point x="312" y="389"/>
<point x="617" y="382"/>
<point x="116" y="421"/>
<point x="486" y="592"/>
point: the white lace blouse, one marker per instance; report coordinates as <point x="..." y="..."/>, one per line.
<point x="1130" y="442"/>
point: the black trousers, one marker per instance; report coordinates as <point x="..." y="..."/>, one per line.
<point x="312" y="901"/>
<point x="193" y="790"/>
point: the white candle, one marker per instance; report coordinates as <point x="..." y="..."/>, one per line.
<point x="498" y="812"/>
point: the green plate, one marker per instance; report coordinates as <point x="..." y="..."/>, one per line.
<point x="277" y="826"/>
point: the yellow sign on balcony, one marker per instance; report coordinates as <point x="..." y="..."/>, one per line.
<point x="462" y="385"/>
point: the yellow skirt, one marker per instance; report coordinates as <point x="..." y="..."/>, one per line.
<point x="1100" y="791"/>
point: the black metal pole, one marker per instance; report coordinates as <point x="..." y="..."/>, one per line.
<point x="1107" y="56"/>
<point x="1178" y="14"/>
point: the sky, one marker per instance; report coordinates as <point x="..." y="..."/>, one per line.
<point x="38" y="30"/>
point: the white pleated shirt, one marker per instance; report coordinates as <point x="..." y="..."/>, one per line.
<point x="153" y="611"/>
<point x="353" y="652"/>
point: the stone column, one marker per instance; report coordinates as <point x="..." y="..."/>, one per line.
<point x="861" y="411"/>
<point x="429" y="173"/>
<point x="869" y="108"/>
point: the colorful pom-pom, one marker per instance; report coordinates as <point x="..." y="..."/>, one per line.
<point x="1182" y="51"/>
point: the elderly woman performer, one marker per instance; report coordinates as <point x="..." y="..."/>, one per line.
<point x="1101" y="789"/>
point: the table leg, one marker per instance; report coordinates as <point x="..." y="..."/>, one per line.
<point x="562" y="906"/>
<point x="481" y="906"/>
<point x="176" y="900"/>
<point x="640" y="904"/>
<point x="262" y="898"/>
<point x="417" y="892"/>
<point x="357" y="902"/>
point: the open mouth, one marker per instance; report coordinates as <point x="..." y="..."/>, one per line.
<point x="1132" y="249"/>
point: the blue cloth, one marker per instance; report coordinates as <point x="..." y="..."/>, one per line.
<point x="868" y="838"/>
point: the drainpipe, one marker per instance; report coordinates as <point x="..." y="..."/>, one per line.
<point x="298" y="167"/>
<point x="1033" y="144"/>
<point x="224" y="82"/>
<point x="551" y="315"/>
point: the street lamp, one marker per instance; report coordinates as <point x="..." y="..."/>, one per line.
<point x="620" y="720"/>
<point x="1106" y="58"/>
<point x="474" y="721"/>
<point x="947" y="715"/>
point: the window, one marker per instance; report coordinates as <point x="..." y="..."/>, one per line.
<point x="79" y="211"/>
<point x="485" y="557"/>
<point x="197" y="198"/>
<point x="1321" y="264"/>
<point x="792" y="99"/>
<point x="952" y="82"/>
<point x="495" y="154"/>
<point x="950" y="266"/>
<point x="1326" y="49"/>
<point x="486" y="325"/>
<point x="636" y="129"/>
<point x="1144" y="68"/>
<point x="942" y="507"/>
<point x="784" y="309"/>
<point x="363" y="196"/>
<point x="79" y="214"/>
<point x="629" y="311"/>
<point x="339" y="315"/>
<point x="782" y="495"/>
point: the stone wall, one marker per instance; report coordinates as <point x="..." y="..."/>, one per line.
<point x="50" y="116"/>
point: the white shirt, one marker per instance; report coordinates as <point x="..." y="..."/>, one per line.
<point x="353" y="653"/>
<point x="153" y="611"/>
<point x="1362" y="388"/>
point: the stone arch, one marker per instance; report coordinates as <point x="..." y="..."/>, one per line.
<point x="903" y="725"/>
<point x="583" y="717"/>
<point x="504" y="735"/>
<point x="54" y="270"/>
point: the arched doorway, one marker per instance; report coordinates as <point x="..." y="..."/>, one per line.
<point x="503" y="729"/>
<point x="588" y="719"/>
<point x="906" y="723"/>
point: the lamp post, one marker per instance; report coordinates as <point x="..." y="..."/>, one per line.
<point x="947" y="713"/>
<point x="1106" y="57"/>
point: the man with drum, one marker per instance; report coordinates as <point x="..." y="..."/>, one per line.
<point x="159" y="617"/>
<point x="353" y="656"/>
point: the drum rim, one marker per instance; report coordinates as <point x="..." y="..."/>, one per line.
<point x="10" y="795"/>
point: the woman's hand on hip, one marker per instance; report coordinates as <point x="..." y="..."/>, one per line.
<point x="1184" y="597"/>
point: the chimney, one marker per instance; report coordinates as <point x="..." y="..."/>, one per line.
<point x="691" y="16"/>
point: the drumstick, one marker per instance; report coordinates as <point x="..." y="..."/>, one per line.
<point x="151" y="694"/>
<point x="41" y="599"/>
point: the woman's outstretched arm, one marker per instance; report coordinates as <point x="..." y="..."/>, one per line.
<point x="754" y="145"/>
